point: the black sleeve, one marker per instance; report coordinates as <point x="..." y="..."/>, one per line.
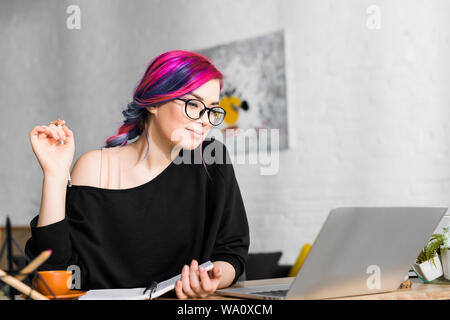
<point x="56" y="237"/>
<point x="233" y="237"/>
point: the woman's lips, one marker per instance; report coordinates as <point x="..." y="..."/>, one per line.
<point x="195" y="133"/>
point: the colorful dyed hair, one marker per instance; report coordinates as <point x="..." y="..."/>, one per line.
<point x="168" y="76"/>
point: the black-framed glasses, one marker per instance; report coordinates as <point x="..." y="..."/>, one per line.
<point x="195" y="109"/>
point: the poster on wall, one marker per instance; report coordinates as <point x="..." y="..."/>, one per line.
<point x="254" y="93"/>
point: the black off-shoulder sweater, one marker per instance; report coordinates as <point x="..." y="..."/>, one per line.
<point x="126" y="238"/>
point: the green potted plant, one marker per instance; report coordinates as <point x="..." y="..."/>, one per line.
<point x="445" y="252"/>
<point x="428" y="265"/>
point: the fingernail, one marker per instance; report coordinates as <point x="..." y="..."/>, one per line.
<point x="186" y="267"/>
<point x="201" y="269"/>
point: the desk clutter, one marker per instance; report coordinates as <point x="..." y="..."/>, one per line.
<point x="56" y="284"/>
<point x="12" y="278"/>
<point x="433" y="261"/>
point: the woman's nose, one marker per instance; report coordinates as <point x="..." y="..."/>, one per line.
<point x="204" y="117"/>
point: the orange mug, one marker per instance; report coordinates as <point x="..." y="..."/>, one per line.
<point x="59" y="281"/>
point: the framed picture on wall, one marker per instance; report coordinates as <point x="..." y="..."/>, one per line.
<point x="254" y="92"/>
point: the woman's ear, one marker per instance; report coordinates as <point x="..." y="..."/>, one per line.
<point x="152" y="110"/>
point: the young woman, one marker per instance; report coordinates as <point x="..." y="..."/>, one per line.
<point x="134" y="212"/>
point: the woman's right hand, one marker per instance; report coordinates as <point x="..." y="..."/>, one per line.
<point x="54" y="158"/>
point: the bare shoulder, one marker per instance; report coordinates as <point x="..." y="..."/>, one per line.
<point x="86" y="170"/>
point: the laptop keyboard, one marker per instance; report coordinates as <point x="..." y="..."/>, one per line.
<point x="277" y="293"/>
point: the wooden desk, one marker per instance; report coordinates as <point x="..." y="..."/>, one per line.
<point x="438" y="290"/>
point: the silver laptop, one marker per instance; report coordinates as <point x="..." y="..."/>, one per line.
<point x="359" y="251"/>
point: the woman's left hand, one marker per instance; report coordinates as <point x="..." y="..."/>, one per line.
<point x="197" y="282"/>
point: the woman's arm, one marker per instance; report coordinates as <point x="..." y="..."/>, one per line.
<point x="230" y="249"/>
<point x="231" y="245"/>
<point x="50" y="229"/>
<point x="53" y="199"/>
<point x="54" y="148"/>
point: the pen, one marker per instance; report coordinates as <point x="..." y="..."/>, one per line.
<point x="33" y="265"/>
<point x="58" y="124"/>
<point x="22" y="287"/>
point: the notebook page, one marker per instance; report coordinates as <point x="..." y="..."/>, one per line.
<point x="137" y="293"/>
<point x="115" y="294"/>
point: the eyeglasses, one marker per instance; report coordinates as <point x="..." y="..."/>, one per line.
<point x="195" y="109"/>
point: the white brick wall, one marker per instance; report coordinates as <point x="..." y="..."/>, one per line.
<point x="369" y="118"/>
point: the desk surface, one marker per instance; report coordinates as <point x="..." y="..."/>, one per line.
<point x="438" y="290"/>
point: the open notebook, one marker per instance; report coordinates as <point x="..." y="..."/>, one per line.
<point x="138" y="293"/>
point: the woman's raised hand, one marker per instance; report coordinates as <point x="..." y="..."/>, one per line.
<point x="54" y="157"/>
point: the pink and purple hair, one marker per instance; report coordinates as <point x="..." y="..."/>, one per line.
<point x="168" y="76"/>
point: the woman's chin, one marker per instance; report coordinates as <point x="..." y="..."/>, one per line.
<point x="190" y="143"/>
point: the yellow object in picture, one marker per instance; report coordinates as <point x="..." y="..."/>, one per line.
<point x="300" y="259"/>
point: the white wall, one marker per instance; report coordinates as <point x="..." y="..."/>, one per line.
<point x="369" y="114"/>
<point x="368" y="109"/>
